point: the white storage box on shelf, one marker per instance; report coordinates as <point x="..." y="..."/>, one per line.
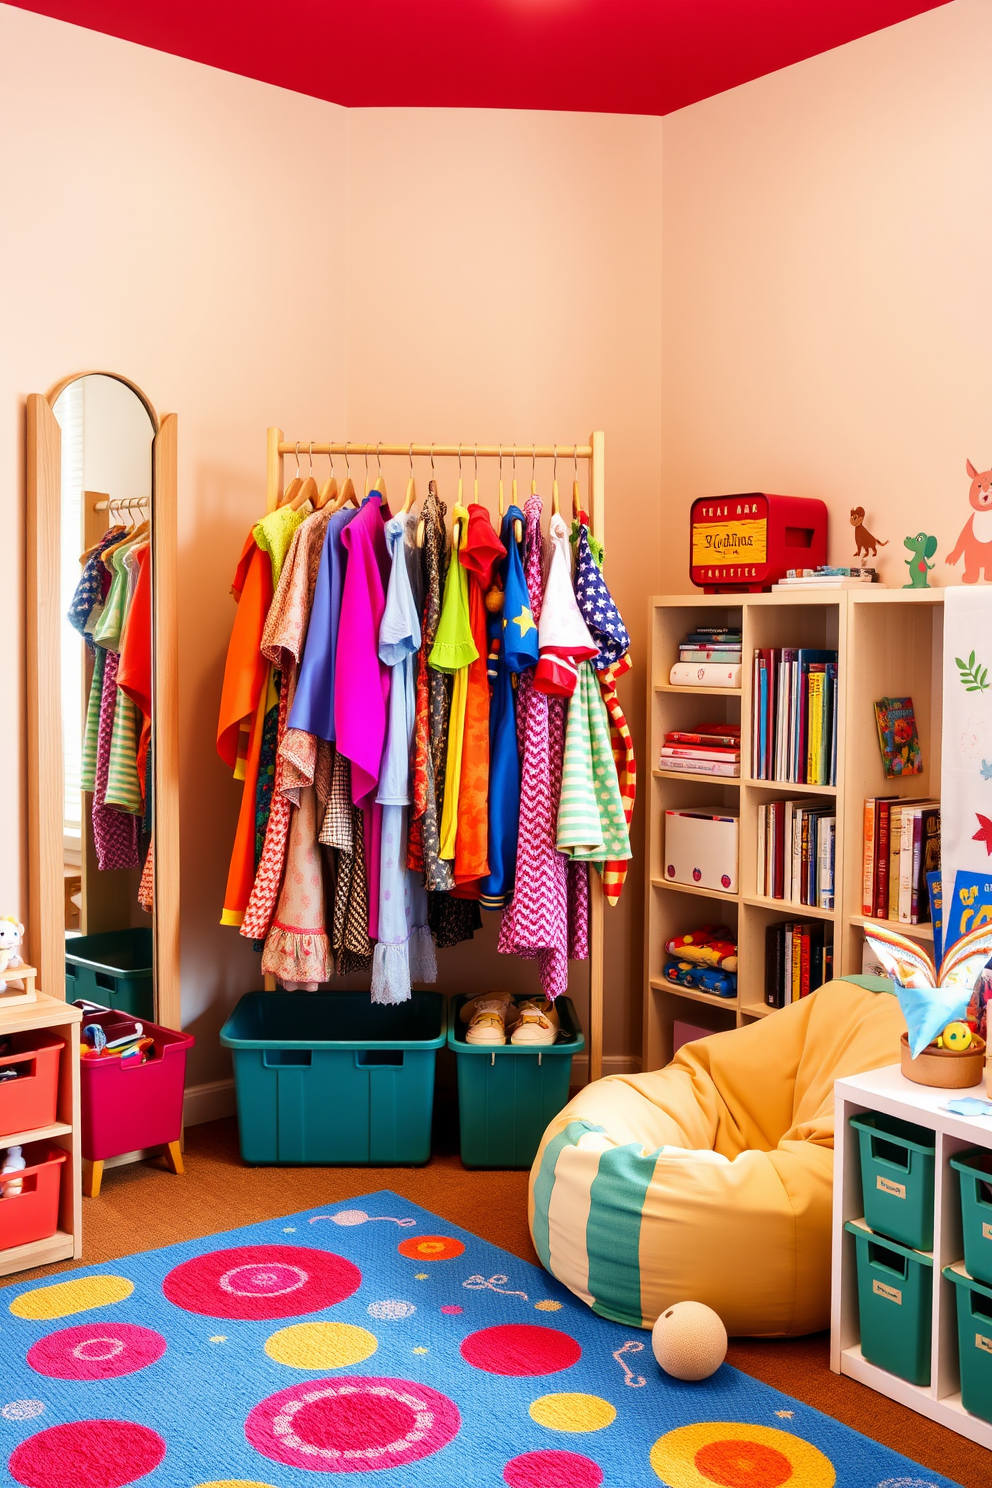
<point x="701" y="847"/>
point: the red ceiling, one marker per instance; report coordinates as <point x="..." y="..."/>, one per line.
<point x="614" y="56"/>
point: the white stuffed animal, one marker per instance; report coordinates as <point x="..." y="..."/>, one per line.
<point x="11" y="935"/>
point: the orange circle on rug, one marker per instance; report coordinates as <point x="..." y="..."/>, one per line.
<point x="734" y="1454"/>
<point x="431" y="1248"/>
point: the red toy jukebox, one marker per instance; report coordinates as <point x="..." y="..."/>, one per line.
<point x="748" y="542"/>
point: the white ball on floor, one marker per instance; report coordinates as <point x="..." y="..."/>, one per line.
<point x="689" y="1341"/>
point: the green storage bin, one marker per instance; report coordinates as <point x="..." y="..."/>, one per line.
<point x="331" y="1077"/>
<point x="895" y="1291"/>
<point x="974" y="1306"/>
<point x="114" y="968"/>
<point x="974" y="1171"/>
<point x="508" y="1094"/>
<point x="897" y="1162"/>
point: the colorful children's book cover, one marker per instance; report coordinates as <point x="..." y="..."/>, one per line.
<point x="970" y="907"/>
<point x="898" y="738"/>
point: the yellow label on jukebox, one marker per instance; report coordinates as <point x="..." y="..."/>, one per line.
<point x="729" y="541"/>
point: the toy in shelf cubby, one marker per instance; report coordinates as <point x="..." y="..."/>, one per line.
<point x="882" y="642"/>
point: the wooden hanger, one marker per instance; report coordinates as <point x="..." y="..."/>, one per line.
<point x="411" y="486"/>
<point x="432" y="490"/>
<point x="456" y="527"/>
<point x="347" y="491"/>
<point x="328" y="490"/>
<point x="296" y="484"/>
<point x="555" y="510"/>
<point x="576" y="498"/>
<point x="518" y="526"/>
<point x="380" y="479"/>
<point x="308" y="489"/>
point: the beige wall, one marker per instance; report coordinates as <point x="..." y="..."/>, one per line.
<point x="203" y="234"/>
<point x="827" y="287"/>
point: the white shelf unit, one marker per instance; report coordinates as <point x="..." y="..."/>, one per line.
<point x="887" y="1090"/>
<point x="888" y="643"/>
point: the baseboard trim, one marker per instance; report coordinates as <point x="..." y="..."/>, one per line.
<point x="211" y="1101"/>
<point x="613" y="1064"/>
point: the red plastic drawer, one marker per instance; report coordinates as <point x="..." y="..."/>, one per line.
<point x="33" y="1214"/>
<point x="127" y="1107"/>
<point x="32" y="1099"/>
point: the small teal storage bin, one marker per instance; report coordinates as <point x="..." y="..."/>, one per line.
<point x="897" y="1163"/>
<point x="508" y="1093"/>
<point x="331" y="1077"/>
<point x="895" y="1293"/>
<point x="974" y="1307"/>
<point x="974" y="1170"/>
<point x="114" y="968"/>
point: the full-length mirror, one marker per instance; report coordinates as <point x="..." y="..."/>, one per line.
<point x="108" y="724"/>
<point x="101" y="516"/>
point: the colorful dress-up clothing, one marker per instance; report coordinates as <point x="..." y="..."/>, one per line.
<point x="361" y="686"/>
<point x="405" y="950"/>
<point x="433" y="703"/>
<point x="479" y="554"/>
<point x="548" y="915"/>
<point x="513" y="649"/>
<point x="564" y="636"/>
<point x="453" y="651"/>
<point x="282" y="644"/>
<point x="592" y="826"/>
<point x="612" y="661"/>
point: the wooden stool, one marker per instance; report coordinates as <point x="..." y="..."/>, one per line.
<point x="93" y="1171"/>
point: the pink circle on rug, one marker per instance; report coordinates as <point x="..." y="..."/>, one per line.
<point x="96" y="1351"/>
<point x="99" y="1454"/>
<point x="452" y="1309"/>
<point x="520" y="1349"/>
<point x="352" y="1424"/>
<point x="552" y="1470"/>
<point x="261" y="1281"/>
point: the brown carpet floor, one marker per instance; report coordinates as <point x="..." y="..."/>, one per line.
<point x="142" y="1207"/>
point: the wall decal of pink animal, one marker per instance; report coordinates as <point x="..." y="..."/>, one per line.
<point x="975" y="543"/>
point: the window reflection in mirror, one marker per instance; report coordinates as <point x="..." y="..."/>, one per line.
<point x="106" y="669"/>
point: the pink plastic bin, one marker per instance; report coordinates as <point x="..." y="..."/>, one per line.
<point x="126" y="1107"/>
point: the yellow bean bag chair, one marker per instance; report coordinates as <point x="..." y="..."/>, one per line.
<point x="711" y="1180"/>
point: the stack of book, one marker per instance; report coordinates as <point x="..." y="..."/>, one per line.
<point x="706" y="749"/>
<point x="710" y="656"/>
<point x="796" y="852"/>
<point x="794" y="716"/>
<point x="798" y="959"/>
<point x="901" y="847"/>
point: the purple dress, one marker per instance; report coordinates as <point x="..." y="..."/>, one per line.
<point x="313" y="705"/>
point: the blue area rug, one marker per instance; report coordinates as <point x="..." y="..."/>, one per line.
<point x="373" y="1340"/>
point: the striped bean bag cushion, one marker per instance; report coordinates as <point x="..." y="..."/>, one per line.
<point x="711" y="1180"/>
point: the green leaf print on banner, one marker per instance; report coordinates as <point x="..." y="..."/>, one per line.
<point x="974" y="678"/>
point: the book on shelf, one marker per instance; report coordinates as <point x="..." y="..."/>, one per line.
<point x="798" y="959"/>
<point x="718" y="653"/>
<point x="898" y="738"/>
<point x="700" y="751"/>
<point x="797" y="852"/>
<point x="901" y="850"/>
<point x="727" y="768"/>
<point x="711" y="735"/>
<point x="705" y="674"/>
<point x="794" y="715"/>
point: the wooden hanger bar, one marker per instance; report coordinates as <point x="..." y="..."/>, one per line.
<point x="446" y="451"/>
<point x="125" y="505"/>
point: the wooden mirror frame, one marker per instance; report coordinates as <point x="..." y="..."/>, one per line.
<point x="45" y="927"/>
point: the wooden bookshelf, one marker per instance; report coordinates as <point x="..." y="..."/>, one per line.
<point x="888" y="643"/>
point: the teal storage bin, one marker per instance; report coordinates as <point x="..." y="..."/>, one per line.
<point x="897" y="1162"/>
<point x="974" y="1305"/>
<point x="331" y="1077"/>
<point x="508" y="1094"/>
<point x="895" y="1291"/>
<point x="114" y="968"/>
<point x="974" y="1170"/>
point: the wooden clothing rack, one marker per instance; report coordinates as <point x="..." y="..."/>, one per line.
<point x="593" y="453"/>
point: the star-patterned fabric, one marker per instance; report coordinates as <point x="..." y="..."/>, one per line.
<point x="598" y="609"/>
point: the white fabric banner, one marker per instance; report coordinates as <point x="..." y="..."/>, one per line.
<point x="966" y="737"/>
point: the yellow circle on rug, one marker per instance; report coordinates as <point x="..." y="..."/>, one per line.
<point x="321" y="1345"/>
<point x="573" y="1412"/>
<point x="548" y="1306"/>
<point x="730" y="1454"/>
<point x="67" y="1297"/>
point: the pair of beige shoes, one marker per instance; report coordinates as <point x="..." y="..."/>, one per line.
<point x="494" y="1014"/>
